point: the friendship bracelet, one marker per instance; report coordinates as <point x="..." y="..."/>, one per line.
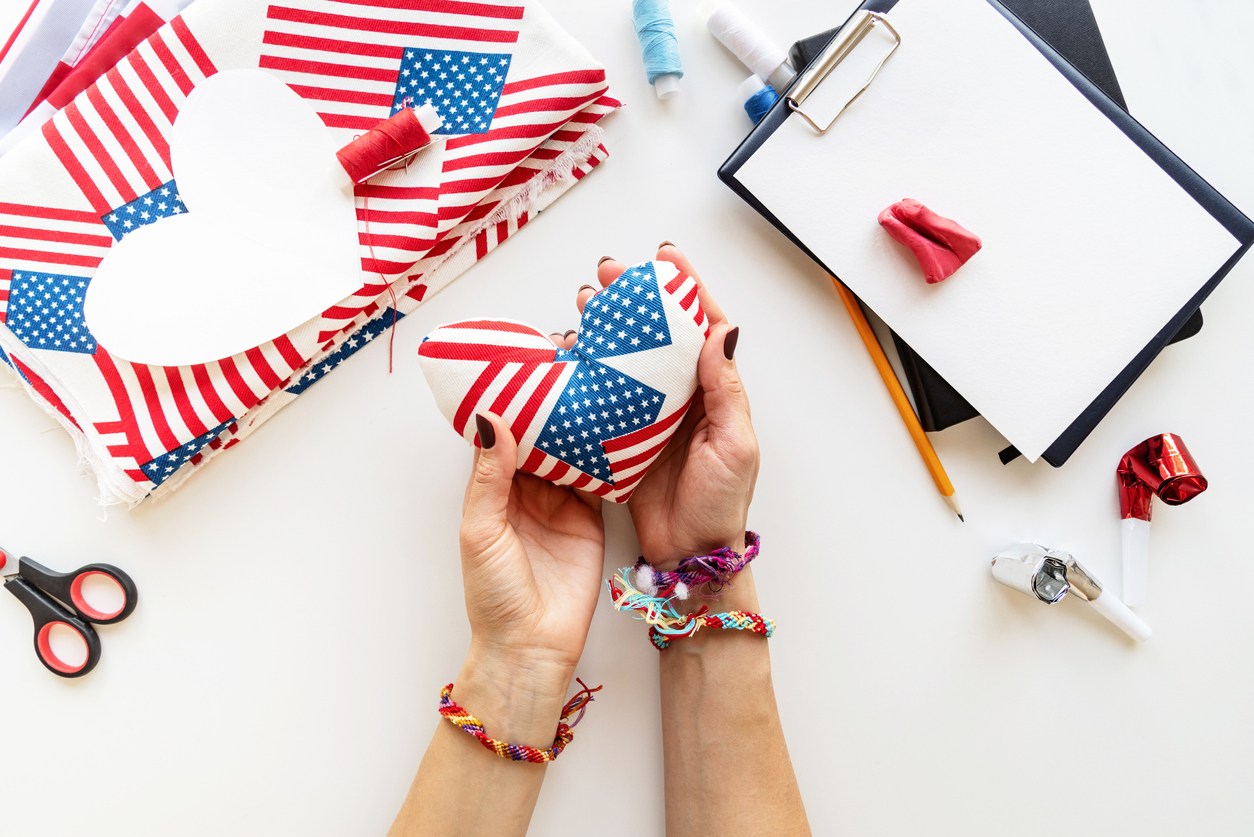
<point x="707" y="574"/>
<point x="736" y="620"/>
<point x="520" y="752"/>
<point x="666" y="623"/>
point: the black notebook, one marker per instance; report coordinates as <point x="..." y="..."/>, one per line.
<point x="1069" y="24"/>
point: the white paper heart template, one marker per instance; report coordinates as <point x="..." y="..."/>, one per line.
<point x="594" y="417"/>
<point x="268" y="242"/>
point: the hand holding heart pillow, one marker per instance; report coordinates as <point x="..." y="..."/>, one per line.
<point x="595" y="416"/>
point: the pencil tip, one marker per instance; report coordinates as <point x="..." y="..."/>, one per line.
<point x="952" y="501"/>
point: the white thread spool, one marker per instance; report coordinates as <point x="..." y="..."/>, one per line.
<point x="748" y="42"/>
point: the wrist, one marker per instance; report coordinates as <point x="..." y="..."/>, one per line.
<point x="518" y="696"/>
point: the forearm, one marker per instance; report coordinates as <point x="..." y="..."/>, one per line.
<point x="461" y="787"/>
<point x="727" y="766"/>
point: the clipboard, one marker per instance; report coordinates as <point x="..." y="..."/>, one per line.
<point x="846" y="40"/>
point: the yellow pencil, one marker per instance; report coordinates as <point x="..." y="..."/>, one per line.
<point x="899" y="398"/>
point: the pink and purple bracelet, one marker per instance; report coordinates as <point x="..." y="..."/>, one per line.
<point x="711" y="572"/>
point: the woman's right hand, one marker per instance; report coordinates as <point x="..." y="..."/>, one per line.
<point x="696" y="496"/>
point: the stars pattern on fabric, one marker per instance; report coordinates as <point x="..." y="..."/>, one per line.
<point x="598" y="404"/>
<point x="625" y="317"/>
<point x="146" y="209"/>
<point x="46" y="312"/>
<point x="163" y="467"/>
<point x="359" y="340"/>
<point x="463" y="86"/>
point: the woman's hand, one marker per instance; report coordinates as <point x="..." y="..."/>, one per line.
<point x="696" y="496"/>
<point x="532" y="556"/>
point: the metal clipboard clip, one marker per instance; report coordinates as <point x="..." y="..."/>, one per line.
<point x="846" y="40"/>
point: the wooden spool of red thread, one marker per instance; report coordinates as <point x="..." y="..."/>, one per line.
<point x="390" y="144"/>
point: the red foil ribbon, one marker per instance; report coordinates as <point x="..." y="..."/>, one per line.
<point x="1160" y="465"/>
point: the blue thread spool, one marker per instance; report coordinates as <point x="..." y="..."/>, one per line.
<point x="658" y="45"/>
<point x="758" y="97"/>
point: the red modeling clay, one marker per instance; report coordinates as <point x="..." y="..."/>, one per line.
<point x="940" y="245"/>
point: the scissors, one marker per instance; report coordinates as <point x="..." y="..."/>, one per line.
<point x="57" y="599"/>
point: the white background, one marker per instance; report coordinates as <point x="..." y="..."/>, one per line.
<point x="301" y="598"/>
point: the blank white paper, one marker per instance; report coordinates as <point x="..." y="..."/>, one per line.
<point x="1089" y="247"/>
<point x="269" y="240"/>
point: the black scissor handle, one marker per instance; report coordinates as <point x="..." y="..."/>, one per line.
<point x="47" y="615"/>
<point x="68" y="587"/>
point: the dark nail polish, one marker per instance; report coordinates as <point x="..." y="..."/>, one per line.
<point x="569" y="333"/>
<point x="665" y="244"/>
<point x="487" y="433"/>
<point x="603" y="260"/>
<point x="729" y="342"/>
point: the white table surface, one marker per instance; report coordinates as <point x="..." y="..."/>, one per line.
<point x="301" y="598"/>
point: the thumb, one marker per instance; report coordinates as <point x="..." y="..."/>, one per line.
<point x="487" y="495"/>
<point x="726" y="405"/>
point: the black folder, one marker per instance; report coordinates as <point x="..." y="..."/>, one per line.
<point x="1072" y="29"/>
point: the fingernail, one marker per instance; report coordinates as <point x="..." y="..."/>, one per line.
<point x="487" y="433"/>
<point x="569" y="333"/>
<point x="665" y="244"/>
<point x="729" y="342"/>
<point x="556" y="336"/>
<point x="583" y="288"/>
<point x="603" y="260"/>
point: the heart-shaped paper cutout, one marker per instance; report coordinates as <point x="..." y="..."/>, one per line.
<point x="268" y="242"/>
<point x="594" y="417"/>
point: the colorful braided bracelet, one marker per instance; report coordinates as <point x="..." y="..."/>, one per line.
<point x="706" y="574"/>
<point x="520" y="752"/>
<point x="734" y="619"/>
<point x="655" y="605"/>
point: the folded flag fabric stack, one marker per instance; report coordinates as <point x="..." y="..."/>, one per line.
<point x="110" y="31"/>
<point x="520" y="100"/>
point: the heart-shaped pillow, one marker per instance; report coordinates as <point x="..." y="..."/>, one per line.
<point x="269" y="240"/>
<point x="594" y="417"/>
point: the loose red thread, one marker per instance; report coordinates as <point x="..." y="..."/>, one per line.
<point x="365" y="199"/>
<point x="389" y="144"/>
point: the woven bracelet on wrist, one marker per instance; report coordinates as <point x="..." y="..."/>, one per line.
<point x="706" y="574"/>
<point x="520" y="752"/>
<point x="738" y="620"/>
<point x="655" y="604"/>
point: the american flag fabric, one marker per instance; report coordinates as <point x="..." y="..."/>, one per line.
<point x="594" y="417"/>
<point x="520" y="101"/>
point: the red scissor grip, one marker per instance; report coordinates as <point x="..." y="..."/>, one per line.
<point x="47" y="614"/>
<point x="68" y="587"/>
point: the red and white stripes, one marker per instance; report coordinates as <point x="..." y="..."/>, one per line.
<point x="161" y="408"/>
<point x="51" y="240"/>
<point x="113" y="140"/>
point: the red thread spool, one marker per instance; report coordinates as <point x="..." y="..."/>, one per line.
<point x="387" y="144"/>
